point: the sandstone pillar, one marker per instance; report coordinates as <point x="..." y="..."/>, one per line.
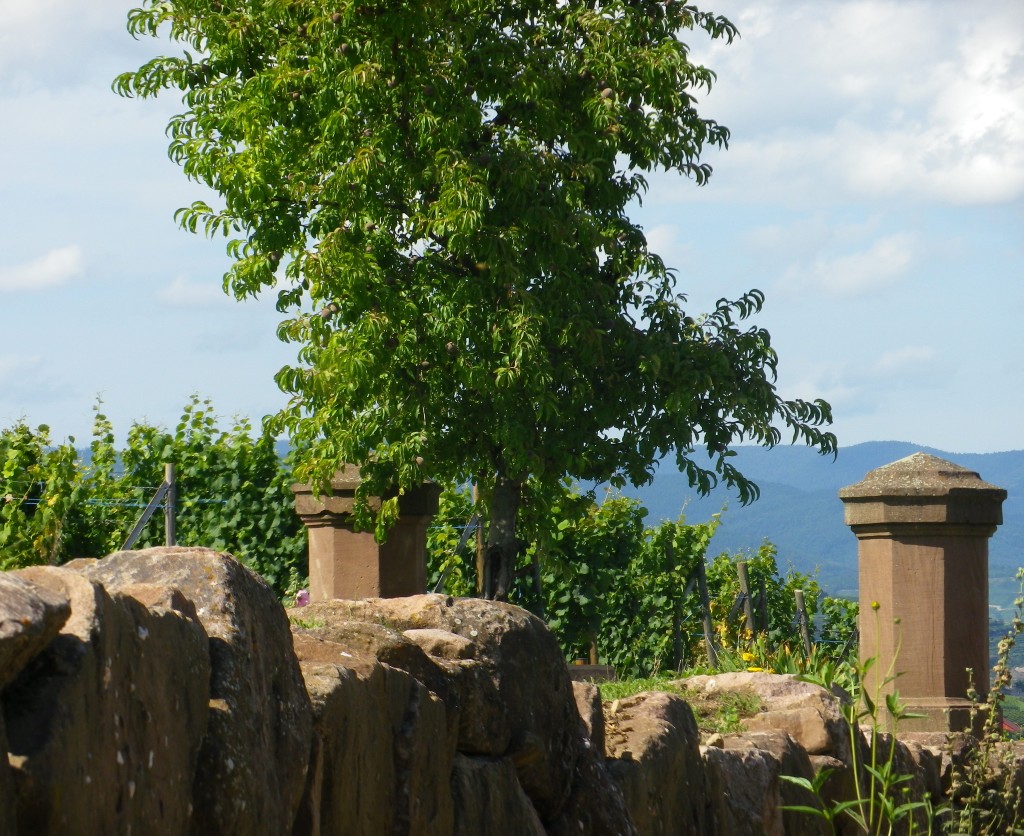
<point x="922" y="527"/>
<point x="344" y="563"/>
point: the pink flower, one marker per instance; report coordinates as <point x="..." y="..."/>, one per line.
<point x="302" y="598"/>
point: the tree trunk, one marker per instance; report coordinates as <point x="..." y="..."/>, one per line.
<point x="502" y="544"/>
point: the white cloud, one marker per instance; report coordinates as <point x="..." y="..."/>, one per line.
<point x="808" y="233"/>
<point x="55" y="43"/>
<point x="52" y="269"/>
<point x="668" y="241"/>
<point x="182" y="293"/>
<point x="27" y="382"/>
<point x="883" y="263"/>
<point x="868" y="383"/>
<point x="870" y="98"/>
<point x="904" y="360"/>
<point x="13" y="365"/>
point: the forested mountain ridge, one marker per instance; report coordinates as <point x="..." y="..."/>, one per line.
<point x="801" y="513"/>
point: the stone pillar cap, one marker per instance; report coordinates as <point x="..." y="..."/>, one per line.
<point x="923" y="489"/>
<point x="421" y="500"/>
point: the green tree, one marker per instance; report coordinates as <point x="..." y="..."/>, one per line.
<point x="438" y="192"/>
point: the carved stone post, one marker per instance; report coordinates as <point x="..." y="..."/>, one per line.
<point x="344" y="563"/>
<point x="922" y="526"/>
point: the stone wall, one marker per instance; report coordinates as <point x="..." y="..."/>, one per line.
<point x="166" y="691"/>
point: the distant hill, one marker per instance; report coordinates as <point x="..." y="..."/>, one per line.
<point x="800" y="512"/>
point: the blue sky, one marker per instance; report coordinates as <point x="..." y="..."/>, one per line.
<point x="874" y="189"/>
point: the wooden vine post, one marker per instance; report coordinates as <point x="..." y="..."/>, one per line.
<point x="705" y="611"/>
<point x="801" y="615"/>
<point x="748" y="604"/>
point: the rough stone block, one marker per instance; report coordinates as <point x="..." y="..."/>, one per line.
<point x="793" y="761"/>
<point x="382" y="752"/>
<point x="588" y="703"/>
<point x="652" y="752"/>
<point x="8" y="798"/>
<point x="254" y="757"/>
<point x="744" y="792"/>
<point x="489" y="799"/>
<point x="811" y="715"/>
<point x="514" y="695"/>
<point x="30" y="617"/>
<point x="105" y="725"/>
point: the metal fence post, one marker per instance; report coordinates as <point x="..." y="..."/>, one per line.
<point x="170" y="503"/>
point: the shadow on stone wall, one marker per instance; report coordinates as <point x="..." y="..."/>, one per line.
<point x="166" y="691"/>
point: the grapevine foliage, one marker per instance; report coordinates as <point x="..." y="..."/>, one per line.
<point x="233" y="494"/>
<point x="628" y="591"/>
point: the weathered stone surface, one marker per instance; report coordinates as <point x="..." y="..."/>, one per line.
<point x="949" y="750"/>
<point x="904" y="763"/>
<point x="489" y="799"/>
<point x="156" y="595"/>
<point x="838" y="786"/>
<point x="441" y="643"/>
<point x="922" y="488"/>
<point x="387" y="645"/>
<point x="514" y="695"/>
<point x="256" y="751"/>
<point x="8" y="799"/>
<point x="927" y="760"/>
<point x="596" y="804"/>
<point x="810" y="715"/>
<point x="104" y="726"/>
<point x="30" y="617"/>
<point x="588" y="704"/>
<point x="743" y="792"/>
<point x="793" y="761"/>
<point x="382" y="750"/>
<point x="424" y="752"/>
<point x="652" y="752"/>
